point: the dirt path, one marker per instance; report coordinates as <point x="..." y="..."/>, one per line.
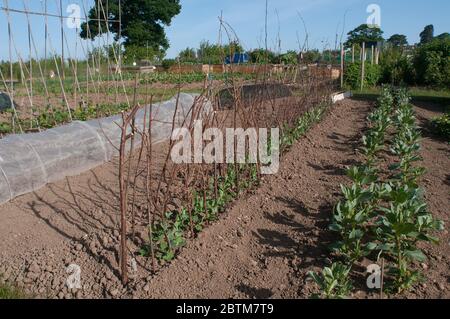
<point x="262" y="247"/>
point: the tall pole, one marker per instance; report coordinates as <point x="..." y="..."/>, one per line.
<point x="363" y="64"/>
<point x="76" y="83"/>
<point x="266" y="40"/>
<point x="120" y="36"/>
<point x="265" y="26"/>
<point x="342" y="66"/>
<point x="11" y="83"/>
<point x="372" y="56"/>
<point x="220" y="41"/>
<point x="31" y="60"/>
<point x="353" y="53"/>
<point x="99" y="52"/>
<point x="107" y="43"/>
<point x="46" y="35"/>
<point x="377" y="55"/>
<point x="62" y="39"/>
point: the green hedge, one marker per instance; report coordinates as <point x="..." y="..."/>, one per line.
<point x="352" y="75"/>
<point x="441" y="126"/>
<point x="432" y="63"/>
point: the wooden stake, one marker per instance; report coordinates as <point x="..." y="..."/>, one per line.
<point x="353" y="53"/>
<point x="62" y="40"/>
<point x="372" y="56"/>
<point x="363" y="64"/>
<point x="377" y="55"/>
<point x="123" y="186"/>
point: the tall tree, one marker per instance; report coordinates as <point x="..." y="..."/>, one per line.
<point x="188" y="55"/>
<point x="364" y="33"/>
<point x="427" y="35"/>
<point x="210" y="53"/>
<point x="289" y="58"/>
<point x="262" y="56"/>
<point x="398" y="40"/>
<point x="443" y="36"/>
<point x="142" y="21"/>
<point x="432" y="63"/>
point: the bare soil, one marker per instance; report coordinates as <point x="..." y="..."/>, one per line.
<point x="262" y="247"/>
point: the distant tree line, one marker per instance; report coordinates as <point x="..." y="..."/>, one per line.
<point x="426" y="63"/>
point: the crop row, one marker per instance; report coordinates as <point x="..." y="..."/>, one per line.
<point x="383" y="215"/>
<point x="51" y="117"/>
<point x="168" y="235"/>
<point x="112" y="84"/>
<point x="170" y="78"/>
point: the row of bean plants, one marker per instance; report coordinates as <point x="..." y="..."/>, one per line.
<point x="170" y="233"/>
<point x="383" y="215"/>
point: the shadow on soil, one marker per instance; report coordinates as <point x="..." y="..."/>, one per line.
<point x="84" y="211"/>
<point x="309" y="240"/>
<point x="255" y="293"/>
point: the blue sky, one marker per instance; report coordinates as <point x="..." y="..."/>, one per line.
<point x="199" y="21"/>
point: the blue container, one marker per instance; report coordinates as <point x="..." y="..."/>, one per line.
<point x="238" y="58"/>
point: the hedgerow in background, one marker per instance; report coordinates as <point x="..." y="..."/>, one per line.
<point x="396" y="67"/>
<point x="432" y="63"/>
<point x="441" y="126"/>
<point x="352" y="75"/>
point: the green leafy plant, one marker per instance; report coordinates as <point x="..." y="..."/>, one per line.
<point x="168" y="235"/>
<point x="362" y="175"/>
<point x="432" y="63"/>
<point x="352" y="75"/>
<point x="5" y="128"/>
<point x="406" y="147"/>
<point x="350" y="219"/>
<point x="333" y="282"/>
<point x="391" y="217"/>
<point x="441" y="126"/>
<point x="399" y="227"/>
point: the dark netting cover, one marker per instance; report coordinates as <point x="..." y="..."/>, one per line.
<point x="253" y="92"/>
<point x="5" y="102"/>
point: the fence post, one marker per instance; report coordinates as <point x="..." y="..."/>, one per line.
<point x="353" y="53"/>
<point x="363" y="64"/>
<point x="372" y="56"/>
<point x="62" y="40"/>
<point x="377" y="55"/>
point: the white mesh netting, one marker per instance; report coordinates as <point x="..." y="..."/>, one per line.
<point x="30" y="161"/>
